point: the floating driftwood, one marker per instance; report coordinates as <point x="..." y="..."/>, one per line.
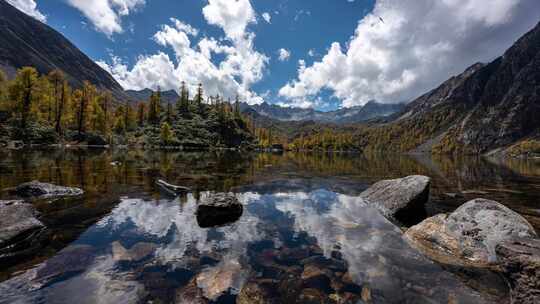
<point x="173" y="189"/>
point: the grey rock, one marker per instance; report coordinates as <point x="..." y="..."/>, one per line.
<point x="45" y="190"/>
<point x="520" y="262"/>
<point x="469" y="235"/>
<point x="16" y="218"/>
<point x="19" y="228"/>
<point x="218" y="209"/>
<point x="396" y="198"/>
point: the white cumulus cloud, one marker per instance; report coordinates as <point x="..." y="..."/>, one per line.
<point x="241" y="67"/>
<point x="266" y="16"/>
<point x="283" y="54"/>
<point x="28" y="7"/>
<point x="405" y="48"/>
<point x="233" y="16"/>
<point x="106" y="15"/>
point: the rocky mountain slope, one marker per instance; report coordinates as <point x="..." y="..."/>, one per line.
<point x="144" y="95"/>
<point x="357" y="114"/>
<point x="487" y="107"/>
<point x="507" y="92"/>
<point x="25" y="41"/>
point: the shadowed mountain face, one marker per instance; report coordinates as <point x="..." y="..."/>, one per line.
<point x="489" y="106"/>
<point x="24" y="41"/>
<point x="507" y="92"/>
<point x="369" y="111"/>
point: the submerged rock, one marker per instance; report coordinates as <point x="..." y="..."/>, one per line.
<point x="45" y="190"/>
<point x="469" y="235"/>
<point x="229" y="275"/>
<point x="68" y="262"/>
<point x="190" y="294"/>
<point x="255" y="292"/>
<point x="313" y="296"/>
<point x="316" y="277"/>
<point x="20" y="230"/>
<point x="398" y="198"/>
<point x="520" y="261"/>
<point x="173" y="189"/>
<point x="136" y="253"/>
<point x="219" y="209"/>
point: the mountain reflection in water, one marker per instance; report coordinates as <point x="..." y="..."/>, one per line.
<point x="303" y="226"/>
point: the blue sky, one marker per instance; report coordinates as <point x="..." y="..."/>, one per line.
<point x="334" y="54"/>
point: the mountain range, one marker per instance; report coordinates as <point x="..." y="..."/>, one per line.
<point x="357" y="114"/>
<point x="169" y="96"/>
<point x="370" y="110"/>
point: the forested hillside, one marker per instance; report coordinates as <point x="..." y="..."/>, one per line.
<point x="45" y="109"/>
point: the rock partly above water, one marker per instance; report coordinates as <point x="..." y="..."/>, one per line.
<point x="45" y="190"/>
<point x="520" y="261"/>
<point x="469" y="235"/>
<point x="218" y="209"/>
<point x="20" y="230"/>
<point x="399" y="198"/>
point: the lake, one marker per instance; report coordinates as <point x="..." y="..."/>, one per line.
<point x="304" y="235"/>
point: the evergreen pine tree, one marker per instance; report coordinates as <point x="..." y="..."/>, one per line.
<point x="183" y="107"/>
<point x="237" y="107"/>
<point x="141" y="114"/>
<point x="4" y="106"/>
<point x="62" y="106"/>
<point x="88" y="94"/>
<point x="169" y="114"/>
<point x="166" y="133"/>
<point x="199" y="99"/>
<point x="153" y="109"/>
<point x="23" y="93"/>
<point x="56" y="78"/>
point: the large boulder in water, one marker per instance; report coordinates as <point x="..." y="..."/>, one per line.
<point x="45" y="190"/>
<point x="520" y="262"/>
<point x="399" y="198"/>
<point x="218" y="209"/>
<point x="469" y="235"/>
<point x="20" y="230"/>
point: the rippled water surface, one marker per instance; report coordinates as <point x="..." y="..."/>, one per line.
<point x="304" y="236"/>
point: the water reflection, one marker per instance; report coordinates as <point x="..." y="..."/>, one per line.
<point x="303" y="227"/>
<point x="339" y="226"/>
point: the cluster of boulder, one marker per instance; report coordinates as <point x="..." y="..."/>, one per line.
<point x="291" y="275"/>
<point x="21" y="232"/>
<point x="481" y="234"/>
